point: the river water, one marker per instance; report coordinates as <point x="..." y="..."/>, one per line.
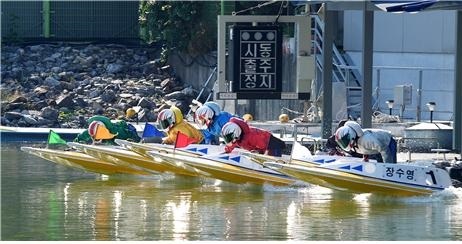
<point x="41" y="200"/>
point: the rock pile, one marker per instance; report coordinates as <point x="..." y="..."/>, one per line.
<point x="62" y="85"/>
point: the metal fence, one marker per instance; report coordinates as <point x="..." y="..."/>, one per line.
<point x="69" y="20"/>
<point x="428" y="85"/>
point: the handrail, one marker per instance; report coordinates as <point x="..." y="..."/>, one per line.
<point x="205" y="86"/>
<point x="411" y="68"/>
<point x="351" y="77"/>
<point x="337" y="56"/>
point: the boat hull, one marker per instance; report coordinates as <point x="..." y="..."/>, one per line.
<point x="219" y="169"/>
<point x="122" y="156"/>
<point x="421" y="183"/>
<point x="82" y="161"/>
<point x="176" y="167"/>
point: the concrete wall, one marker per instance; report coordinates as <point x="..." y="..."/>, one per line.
<point x="424" y="32"/>
<point x="405" y="45"/>
<point x="194" y="70"/>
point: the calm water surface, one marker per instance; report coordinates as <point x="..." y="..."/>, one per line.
<point x="44" y="201"/>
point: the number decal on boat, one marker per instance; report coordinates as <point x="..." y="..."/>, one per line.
<point x="432" y="175"/>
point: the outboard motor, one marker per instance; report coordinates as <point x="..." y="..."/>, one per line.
<point x="454" y="169"/>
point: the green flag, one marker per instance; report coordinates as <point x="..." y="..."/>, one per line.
<point x="54" y="138"/>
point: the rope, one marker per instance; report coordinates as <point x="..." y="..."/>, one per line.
<point x="254" y="7"/>
<point x="279" y="12"/>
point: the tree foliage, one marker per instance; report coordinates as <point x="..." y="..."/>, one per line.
<point x="180" y="25"/>
<point x="191" y="26"/>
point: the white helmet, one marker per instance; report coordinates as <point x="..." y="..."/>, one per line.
<point x="166" y="119"/>
<point x="345" y="136"/>
<point x="356" y="127"/>
<point x="231" y="131"/>
<point x="204" y="115"/>
<point x="93" y="127"/>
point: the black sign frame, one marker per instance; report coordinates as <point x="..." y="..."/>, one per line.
<point x="257" y="61"/>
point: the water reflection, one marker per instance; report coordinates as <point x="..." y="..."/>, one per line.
<point x="102" y="217"/>
<point x="43" y="201"/>
<point x="53" y="217"/>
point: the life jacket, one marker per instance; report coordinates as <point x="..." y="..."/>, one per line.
<point x="252" y="138"/>
<point x="182" y="126"/>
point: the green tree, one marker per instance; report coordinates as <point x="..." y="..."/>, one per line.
<point x="184" y="26"/>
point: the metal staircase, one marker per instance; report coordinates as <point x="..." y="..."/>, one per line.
<point x="342" y="71"/>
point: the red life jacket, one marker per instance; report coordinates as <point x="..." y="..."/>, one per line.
<point x="252" y="138"/>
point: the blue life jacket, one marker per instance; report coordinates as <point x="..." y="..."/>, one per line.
<point x="213" y="132"/>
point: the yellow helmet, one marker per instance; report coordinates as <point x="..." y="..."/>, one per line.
<point x="130" y="113"/>
<point x="247" y="117"/>
<point x="283" y="118"/>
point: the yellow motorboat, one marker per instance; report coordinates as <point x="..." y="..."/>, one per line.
<point x="132" y="158"/>
<point x="193" y="150"/>
<point x="124" y="157"/>
<point x="370" y="177"/>
<point x="352" y="174"/>
<point x="232" y="167"/>
<point x="190" y="150"/>
<point x="300" y="155"/>
<point x="285" y="159"/>
<point x="79" y="160"/>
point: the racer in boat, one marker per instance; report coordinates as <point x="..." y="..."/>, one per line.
<point x="366" y="141"/>
<point x="211" y="120"/>
<point x="332" y="148"/>
<point x="171" y="121"/>
<point x="237" y="133"/>
<point x="120" y="128"/>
